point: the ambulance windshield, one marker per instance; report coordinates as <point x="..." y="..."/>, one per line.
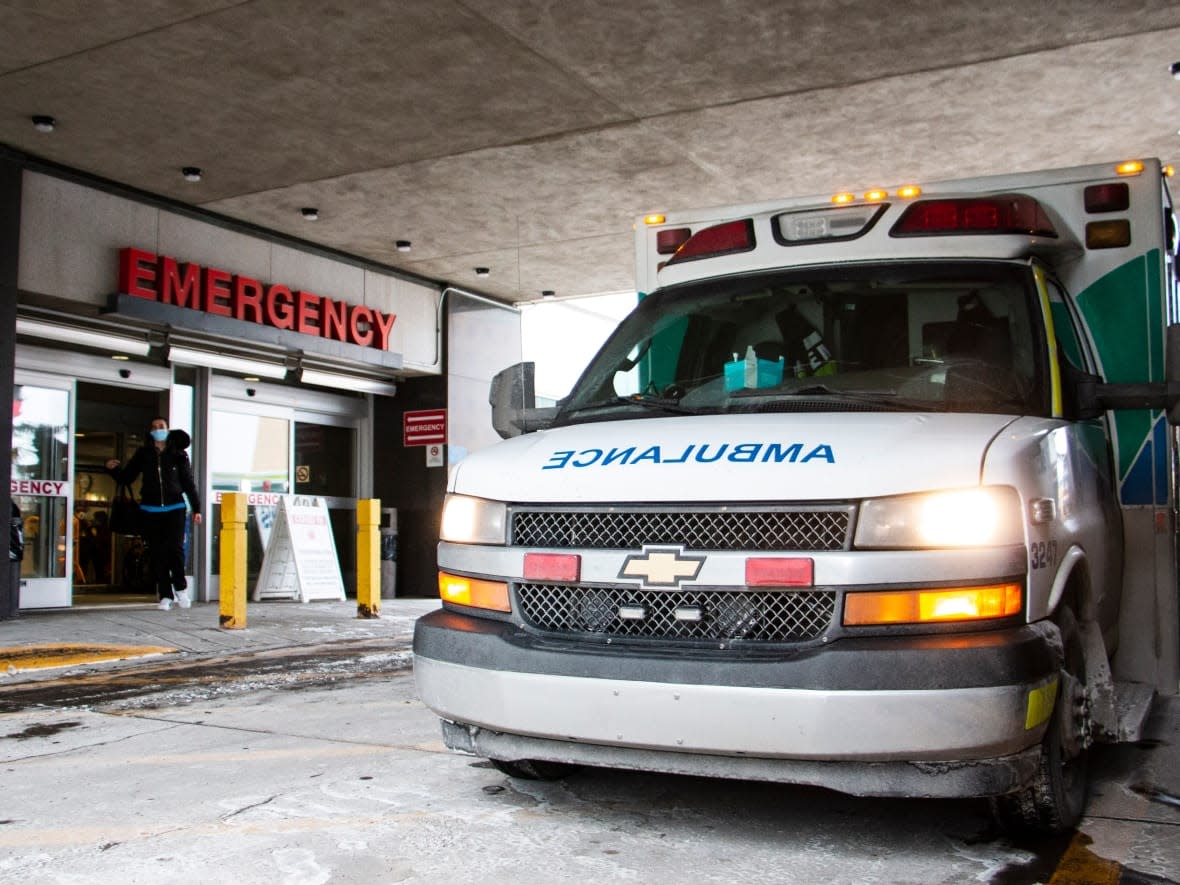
<point x="939" y="337"/>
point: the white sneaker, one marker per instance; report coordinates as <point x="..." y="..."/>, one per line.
<point x="182" y="599"/>
<point x="164" y="604"/>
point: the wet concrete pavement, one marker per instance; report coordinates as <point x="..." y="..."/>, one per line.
<point x="296" y="751"/>
<point x="45" y="644"/>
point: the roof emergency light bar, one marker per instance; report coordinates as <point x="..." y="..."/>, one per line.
<point x="1001" y="214"/>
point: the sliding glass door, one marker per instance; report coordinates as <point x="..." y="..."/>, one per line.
<point x="268" y="450"/>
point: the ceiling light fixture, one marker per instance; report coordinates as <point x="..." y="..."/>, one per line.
<point x="191" y="173"/>
<point x="1175" y="69"/>
<point x="44" y="123"/>
<point x="547" y="293"/>
<point x="403" y="245"/>
<point x="84" y="337"/>
<point x="355" y="383"/>
<point x="311" y="213"/>
<point x="226" y="362"/>
<point x="482" y="272"/>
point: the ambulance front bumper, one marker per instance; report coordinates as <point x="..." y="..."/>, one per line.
<point x="961" y="699"/>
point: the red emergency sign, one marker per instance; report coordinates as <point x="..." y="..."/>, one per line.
<point x="166" y="280"/>
<point x="425" y="427"/>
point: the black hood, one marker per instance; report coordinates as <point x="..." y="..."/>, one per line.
<point x="178" y="439"/>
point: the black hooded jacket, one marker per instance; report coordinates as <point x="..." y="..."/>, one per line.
<point x="167" y="474"/>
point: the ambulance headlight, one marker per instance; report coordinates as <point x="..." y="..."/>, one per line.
<point x="976" y="517"/>
<point x="467" y="520"/>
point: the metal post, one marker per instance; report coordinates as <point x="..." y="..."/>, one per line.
<point x="368" y="559"/>
<point x="233" y="560"/>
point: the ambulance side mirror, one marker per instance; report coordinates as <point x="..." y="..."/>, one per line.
<point x="1172" y="371"/>
<point x="513" y="400"/>
<point x="1094" y="397"/>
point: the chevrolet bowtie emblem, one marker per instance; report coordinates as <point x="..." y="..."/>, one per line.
<point x="662" y="567"/>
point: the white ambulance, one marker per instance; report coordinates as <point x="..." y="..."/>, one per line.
<point x="874" y="492"/>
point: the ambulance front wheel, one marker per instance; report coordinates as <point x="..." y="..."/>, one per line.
<point x="1053" y="802"/>
<point x="535" y="769"/>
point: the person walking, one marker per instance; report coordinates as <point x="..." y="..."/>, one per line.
<point x="167" y="481"/>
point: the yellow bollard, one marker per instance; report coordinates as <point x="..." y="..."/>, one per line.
<point x="233" y="560"/>
<point x="368" y="558"/>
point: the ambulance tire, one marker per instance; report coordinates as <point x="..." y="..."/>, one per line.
<point x="1053" y="802"/>
<point x="535" y="769"/>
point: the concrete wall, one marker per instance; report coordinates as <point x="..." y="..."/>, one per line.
<point x="481" y="340"/>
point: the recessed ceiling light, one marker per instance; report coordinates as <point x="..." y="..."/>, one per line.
<point x="403" y="245"/>
<point x="1175" y="69"/>
<point x="120" y="356"/>
<point x="482" y="272"/>
<point x="44" y="123"/>
<point x="191" y="173"/>
<point x="547" y="293"/>
<point x="310" y="213"/>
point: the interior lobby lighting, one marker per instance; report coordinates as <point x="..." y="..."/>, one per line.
<point x="226" y="362"/>
<point x="83" y="337"/>
<point x="191" y="173"/>
<point x="44" y="123"/>
<point x="354" y="383"/>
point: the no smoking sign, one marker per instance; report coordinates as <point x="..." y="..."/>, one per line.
<point x="434" y="455"/>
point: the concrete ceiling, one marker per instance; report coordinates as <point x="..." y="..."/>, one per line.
<point x="526" y="135"/>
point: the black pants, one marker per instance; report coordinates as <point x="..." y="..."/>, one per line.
<point x="164" y="533"/>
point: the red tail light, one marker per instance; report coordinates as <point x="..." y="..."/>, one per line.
<point x="1006" y="214"/>
<point x="721" y="239"/>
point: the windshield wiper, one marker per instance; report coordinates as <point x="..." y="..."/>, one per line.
<point x="644" y="402"/>
<point x="812" y="390"/>
<point x="883" y="399"/>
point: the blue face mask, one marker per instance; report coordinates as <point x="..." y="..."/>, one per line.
<point x="160" y="435"/>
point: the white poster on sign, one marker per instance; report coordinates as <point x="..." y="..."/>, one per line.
<point x="264" y="519"/>
<point x="300" y="561"/>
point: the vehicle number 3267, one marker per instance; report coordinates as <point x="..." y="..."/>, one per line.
<point x="1043" y="554"/>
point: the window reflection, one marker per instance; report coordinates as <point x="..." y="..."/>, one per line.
<point x="323" y="460"/>
<point x="41" y="452"/>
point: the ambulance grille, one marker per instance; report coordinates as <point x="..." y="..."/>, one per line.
<point x="713" y="615"/>
<point x="703" y="529"/>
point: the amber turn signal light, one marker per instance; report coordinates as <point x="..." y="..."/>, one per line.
<point x="932" y="606"/>
<point x="473" y="592"/>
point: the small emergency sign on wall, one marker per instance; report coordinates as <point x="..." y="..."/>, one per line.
<point x="424" y="427"/>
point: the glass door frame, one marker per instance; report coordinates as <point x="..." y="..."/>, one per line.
<point x="62" y="370"/>
<point x="57" y="592"/>
<point x="295" y="405"/>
